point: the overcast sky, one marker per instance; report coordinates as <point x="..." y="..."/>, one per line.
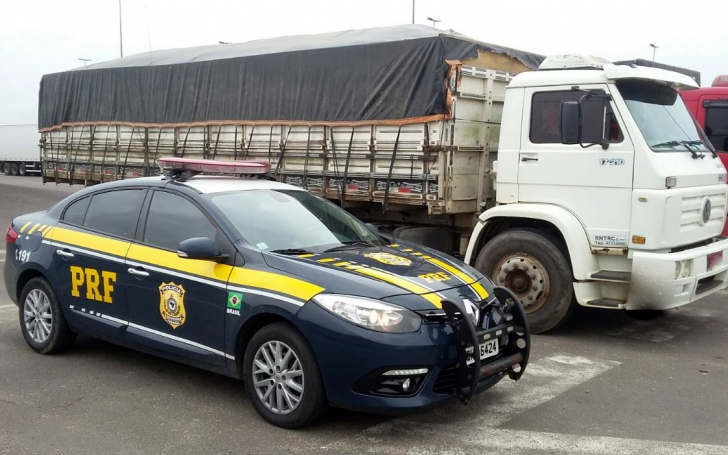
<point x="45" y="36"/>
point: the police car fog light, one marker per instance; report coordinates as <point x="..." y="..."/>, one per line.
<point x="412" y="372"/>
<point x="683" y="269"/>
<point x="406" y="385"/>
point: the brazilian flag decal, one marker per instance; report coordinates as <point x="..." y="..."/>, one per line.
<point x="235" y="300"/>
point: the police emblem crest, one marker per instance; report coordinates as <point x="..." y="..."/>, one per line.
<point x="389" y="259"/>
<point x="171" y="304"/>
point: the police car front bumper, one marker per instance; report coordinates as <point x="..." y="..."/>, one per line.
<point x="393" y="373"/>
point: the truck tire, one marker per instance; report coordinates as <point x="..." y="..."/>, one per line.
<point x="535" y="269"/>
<point x="6" y="168"/>
<point x="13" y="169"/>
<point x="21" y="169"/>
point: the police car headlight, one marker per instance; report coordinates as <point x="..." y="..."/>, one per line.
<point x="370" y="314"/>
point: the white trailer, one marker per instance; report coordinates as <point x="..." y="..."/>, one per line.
<point x="19" y="149"/>
<point x="583" y="183"/>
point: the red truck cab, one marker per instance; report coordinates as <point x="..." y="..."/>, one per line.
<point x="709" y="106"/>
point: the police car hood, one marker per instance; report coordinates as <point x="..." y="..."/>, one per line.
<point x="385" y="271"/>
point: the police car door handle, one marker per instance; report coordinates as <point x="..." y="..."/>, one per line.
<point x="65" y="253"/>
<point x="138" y="272"/>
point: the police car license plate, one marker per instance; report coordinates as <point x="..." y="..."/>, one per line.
<point x="489" y="349"/>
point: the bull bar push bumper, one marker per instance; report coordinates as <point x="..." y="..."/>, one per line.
<point x="502" y="318"/>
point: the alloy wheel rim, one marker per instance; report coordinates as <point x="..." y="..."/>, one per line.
<point x="38" y="315"/>
<point x="278" y="377"/>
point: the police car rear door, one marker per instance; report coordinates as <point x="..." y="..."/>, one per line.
<point x="175" y="304"/>
<point x="89" y="245"/>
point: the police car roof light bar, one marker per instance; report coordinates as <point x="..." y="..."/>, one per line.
<point x="185" y="167"/>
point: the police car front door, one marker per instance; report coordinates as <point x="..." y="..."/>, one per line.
<point x="176" y="305"/>
<point x="89" y="246"/>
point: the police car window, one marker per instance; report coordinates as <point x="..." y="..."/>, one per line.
<point x="546" y="118"/>
<point x="76" y="211"/>
<point x="278" y="220"/>
<point x="115" y="212"/>
<point x="172" y="219"/>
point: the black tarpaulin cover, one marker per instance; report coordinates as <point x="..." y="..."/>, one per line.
<point x="380" y="74"/>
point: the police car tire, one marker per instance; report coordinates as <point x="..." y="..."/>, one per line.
<point x="560" y="304"/>
<point x="314" y="402"/>
<point x="61" y="336"/>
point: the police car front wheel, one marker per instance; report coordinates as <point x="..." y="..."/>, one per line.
<point x="282" y="377"/>
<point x="41" y="319"/>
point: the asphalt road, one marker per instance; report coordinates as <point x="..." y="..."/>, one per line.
<point x="604" y="383"/>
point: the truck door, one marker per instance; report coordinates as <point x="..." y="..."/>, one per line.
<point x="593" y="183"/>
<point x="716" y="124"/>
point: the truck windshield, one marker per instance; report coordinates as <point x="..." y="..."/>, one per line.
<point x="662" y="117"/>
<point x="291" y="221"/>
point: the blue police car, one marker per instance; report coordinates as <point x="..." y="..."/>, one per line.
<point x="262" y="281"/>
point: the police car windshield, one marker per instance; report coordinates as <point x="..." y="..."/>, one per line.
<point x="291" y="220"/>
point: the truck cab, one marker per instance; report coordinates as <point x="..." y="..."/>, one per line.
<point x="608" y="194"/>
<point x="709" y="106"/>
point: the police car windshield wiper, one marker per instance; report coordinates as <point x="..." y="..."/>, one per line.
<point x="350" y="244"/>
<point x="291" y="251"/>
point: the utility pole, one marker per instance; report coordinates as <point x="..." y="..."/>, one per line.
<point x="413" y="11"/>
<point x="654" y="48"/>
<point x="434" y="21"/>
<point x="84" y="60"/>
<point x="121" y="39"/>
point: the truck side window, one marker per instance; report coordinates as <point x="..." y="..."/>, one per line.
<point x="546" y="118"/>
<point x="716" y="125"/>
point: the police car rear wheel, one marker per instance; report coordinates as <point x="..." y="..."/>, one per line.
<point x="282" y="377"/>
<point x="41" y="319"/>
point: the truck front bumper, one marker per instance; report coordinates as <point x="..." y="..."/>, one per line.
<point x="667" y="280"/>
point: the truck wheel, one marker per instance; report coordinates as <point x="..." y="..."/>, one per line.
<point x="6" y="168"/>
<point x="41" y="319"/>
<point x="535" y="269"/>
<point x="13" y="169"/>
<point x="282" y="377"/>
<point x="21" y="169"/>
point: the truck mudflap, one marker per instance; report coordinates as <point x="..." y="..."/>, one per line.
<point x="476" y="327"/>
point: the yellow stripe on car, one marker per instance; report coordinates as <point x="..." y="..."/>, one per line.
<point x="465" y="278"/>
<point x="90" y="241"/>
<point x="33" y="228"/>
<point x="275" y="282"/>
<point x="425" y="293"/>
<point x="24" y="226"/>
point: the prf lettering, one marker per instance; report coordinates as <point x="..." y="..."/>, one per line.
<point x="90" y="279"/>
<point x="432" y="277"/>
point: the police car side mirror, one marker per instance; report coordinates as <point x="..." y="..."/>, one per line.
<point x="200" y="248"/>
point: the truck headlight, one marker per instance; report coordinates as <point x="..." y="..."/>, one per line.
<point x="369" y="313"/>
<point x="683" y="269"/>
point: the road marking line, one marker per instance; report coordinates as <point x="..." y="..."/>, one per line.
<point x="430" y="439"/>
<point x="474" y="429"/>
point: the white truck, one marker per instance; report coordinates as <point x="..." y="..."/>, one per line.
<point x="19" y="152"/>
<point x="581" y="183"/>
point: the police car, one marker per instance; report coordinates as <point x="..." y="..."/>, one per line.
<point x="262" y="281"/>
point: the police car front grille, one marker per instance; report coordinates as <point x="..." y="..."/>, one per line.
<point x="445" y="382"/>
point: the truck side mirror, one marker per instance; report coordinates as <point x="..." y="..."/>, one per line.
<point x="570" y="120"/>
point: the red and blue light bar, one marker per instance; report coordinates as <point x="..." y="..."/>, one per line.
<point x="193" y="166"/>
